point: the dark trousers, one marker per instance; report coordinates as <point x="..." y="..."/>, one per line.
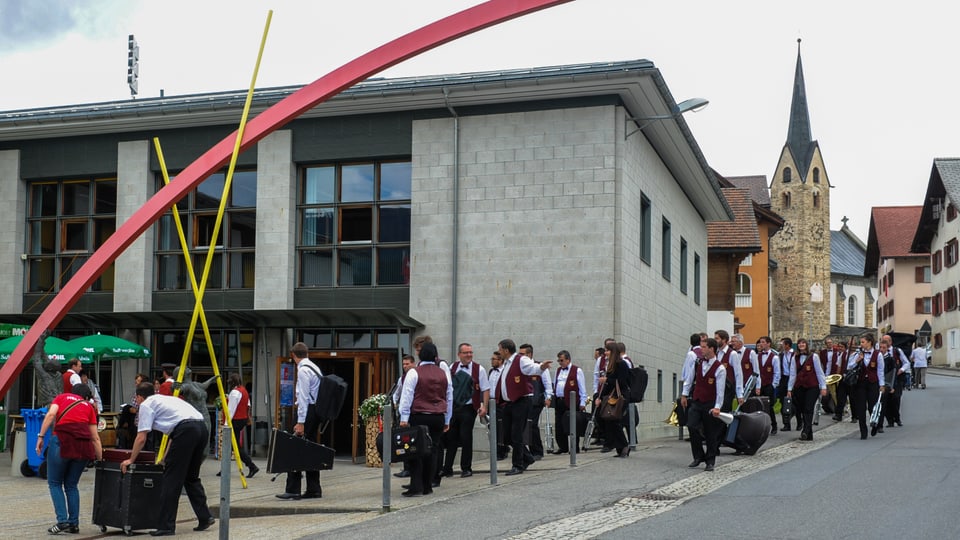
<point x="782" y="396"/>
<point x="310" y="428"/>
<point x="862" y="401"/>
<point x="613" y="433"/>
<point x="503" y="438"/>
<point x="460" y="434"/>
<point x="704" y="428"/>
<point x="423" y="470"/>
<point x="536" y="442"/>
<point x="842" y="392"/>
<point x="186" y="451"/>
<point x="768" y="391"/>
<point x="562" y="426"/>
<point x="515" y="417"/>
<point x="238" y="430"/>
<point x="891" y="401"/>
<point x="805" y="401"/>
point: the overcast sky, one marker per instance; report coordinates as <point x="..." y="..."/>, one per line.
<point x="882" y="77"/>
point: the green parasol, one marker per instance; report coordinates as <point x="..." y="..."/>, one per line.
<point x="56" y="349"/>
<point x="103" y="346"/>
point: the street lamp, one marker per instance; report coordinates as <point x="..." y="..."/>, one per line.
<point x="692" y="104"/>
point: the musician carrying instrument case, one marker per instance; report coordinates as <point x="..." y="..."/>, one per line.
<point x="126" y="501"/>
<point x="411" y="442"/>
<point x="748" y="432"/>
<point x="291" y="453"/>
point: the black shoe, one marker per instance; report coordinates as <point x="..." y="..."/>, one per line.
<point x="73" y="529"/>
<point x="558" y="452"/>
<point x="899" y="423"/>
<point x="708" y="468"/>
<point x="606" y="449"/>
<point x="312" y="495"/>
<point x="537" y="457"/>
<point x="466" y="474"/>
<point x="889" y="424"/>
<point x="410" y="493"/>
<point x="880" y="429"/>
<point x="218" y="473"/>
<point x="60" y="527"/>
<point x="837" y="418"/>
<point x="804" y="436"/>
<point x="405" y="486"/>
<point x="623" y="453"/>
<point x="289" y="496"/>
<point x="204" y="525"/>
<point x="785" y="428"/>
<point x="402" y="474"/>
<point x="162" y="532"/>
<point x="447" y="473"/>
<point x="435" y="483"/>
<point x="738" y="453"/>
<point x="774" y="430"/>
<point x="253" y="471"/>
<point x="513" y="471"/>
<point x="694" y="464"/>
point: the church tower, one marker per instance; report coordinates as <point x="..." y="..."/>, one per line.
<point x="800" y="193"/>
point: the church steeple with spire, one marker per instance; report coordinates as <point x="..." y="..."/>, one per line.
<point x="800" y="192"/>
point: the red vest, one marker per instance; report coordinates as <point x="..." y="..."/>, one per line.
<point x="430" y="395"/>
<point x="569" y="386"/>
<point x="745" y="365"/>
<point x="842" y="361"/>
<point x="518" y="384"/>
<point x="871" y="367"/>
<point x="725" y="360"/>
<point x="766" y="370"/>
<point x="806" y="373"/>
<point x="67" y="387"/>
<point x="705" y="386"/>
<point x="243" y="408"/>
<point x="477" y="398"/>
<point x="166" y="388"/>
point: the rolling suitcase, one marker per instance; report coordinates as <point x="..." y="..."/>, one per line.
<point x="126" y="501"/>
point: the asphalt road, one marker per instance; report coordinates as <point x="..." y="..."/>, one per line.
<point x="900" y="484"/>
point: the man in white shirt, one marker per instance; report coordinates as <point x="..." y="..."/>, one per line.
<point x="516" y="391"/>
<point x="496" y="366"/>
<point x="919" y="359"/>
<point x="469" y="373"/>
<point x="308" y="423"/>
<point x="569" y="378"/>
<point x="185" y="453"/>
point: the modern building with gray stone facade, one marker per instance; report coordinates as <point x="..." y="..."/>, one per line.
<point x="543" y="205"/>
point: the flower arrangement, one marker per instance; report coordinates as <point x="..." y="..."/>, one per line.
<point x="372" y="407"/>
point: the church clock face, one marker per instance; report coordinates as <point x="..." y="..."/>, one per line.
<point x="787" y="234"/>
<point x="818" y="235"/>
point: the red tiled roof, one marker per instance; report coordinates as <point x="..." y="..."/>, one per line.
<point x="740" y="234"/>
<point x="895" y="227"/>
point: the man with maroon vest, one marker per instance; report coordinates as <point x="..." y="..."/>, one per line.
<point x="842" y="389"/>
<point x="426" y="400"/>
<point x="703" y="410"/>
<point x="730" y="360"/>
<point x="748" y="360"/>
<point x="569" y="379"/>
<point x="238" y="402"/>
<point x="516" y="391"/>
<point x="769" y="367"/>
<point x="467" y="372"/>
<point x="496" y="364"/>
<point x="72" y="375"/>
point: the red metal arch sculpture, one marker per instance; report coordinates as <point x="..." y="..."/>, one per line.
<point x="423" y="39"/>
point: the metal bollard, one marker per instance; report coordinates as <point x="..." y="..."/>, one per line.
<point x="492" y="423"/>
<point x="387" y="454"/>
<point x="225" y="486"/>
<point x="572" y="434"/>
<point x="631" y="427"/>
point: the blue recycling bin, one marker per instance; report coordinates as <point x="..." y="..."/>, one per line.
<point x="33" y="420"/>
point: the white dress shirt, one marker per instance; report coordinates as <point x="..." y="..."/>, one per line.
<point x="163" y="413"/>
<point x="581" y="384"/>
<point x="410" y="386"/>
<point x="721" y="380"/>
<point x="527" y="367"/>
<point x="308" y="386"/>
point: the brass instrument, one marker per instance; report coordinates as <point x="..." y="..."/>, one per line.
<point x="750" y="386"/>
<point x="832" y="382"/>
<point x="673" y="420"/>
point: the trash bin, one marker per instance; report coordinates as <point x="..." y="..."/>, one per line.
<point x="33" y="420"/>
<point x="261" y="437"/>
<point x="19" y="452"/>
<point x="126" y="501"/>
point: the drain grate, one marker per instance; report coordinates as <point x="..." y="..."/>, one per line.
<point x="656" y="497"/>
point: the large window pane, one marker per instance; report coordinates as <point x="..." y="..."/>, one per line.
<point x="356" y="224"/>
<point x="393" y="266"/>
<point x="41" y="275"/>
<point x="76" y="198"/>
<point x="354" y="339"/>
<point x="215" y="276"/>
<point x="243" y="229"/>
<point x="105" y="281"/>
<point x="106" y="202"/>
<point x="395" y="181"/>
<point x="356" y="183"/>
<point x="241" y="270"/>
<point x="208" y="194"/>
<point x="317" y="229"/>
<point x="43" y="200"/>
<point x="244" y="187"/>
<point x="318" y="339"/>
<point x="69" y="267"/>
<point x="167" y="238"/>
<point x="43" y="237"/>
<point x="355" y="267"/>
<point x="395" y="223"/>
<point x="319" y="185"/>
<point x="203" y="230"/>
<point x="316" y="268"/>
<point x="171" y="272"/>
<point x="103" y="229"/>
<point x="74" y="236"/>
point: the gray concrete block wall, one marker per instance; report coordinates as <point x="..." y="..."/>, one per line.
<point x="133" y="269"/>
<point x="276" y="222"/>
<point x="13" y="207"/>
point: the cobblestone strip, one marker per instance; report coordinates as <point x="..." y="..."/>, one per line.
<point x="632" y="509"/>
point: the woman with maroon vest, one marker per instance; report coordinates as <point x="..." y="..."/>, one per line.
<point x="618" y="375"/>
<point x="706" y="380"/>
<point x="863" y="396"/>
<point x="805" y="385"/>
<point x="238" y="402"/>
<point x="426" y="400"/>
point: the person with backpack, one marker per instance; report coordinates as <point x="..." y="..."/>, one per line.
<point x="542" y="397"/>
<point x="471" y="396"/>
<point x="616" y="385"/>
<point x="308" y="422"/>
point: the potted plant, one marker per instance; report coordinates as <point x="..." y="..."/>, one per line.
<point x="371" y="411"/>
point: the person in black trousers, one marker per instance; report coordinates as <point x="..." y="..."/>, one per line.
<point x="870" y="384"/>
<point x="186" y="451"/>
<point x="705" y="385"/>
<point x="618" y="375"/>
<point x="805" y="385"/>
<point x="426" y="400"/>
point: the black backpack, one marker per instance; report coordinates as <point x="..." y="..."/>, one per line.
<point x="332" y="394"/>
<point x="638" y="384"/>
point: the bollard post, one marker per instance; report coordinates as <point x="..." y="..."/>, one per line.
<point x="492" y="424"/>
<point x="387" y="454"/>
<point x="225" y="486"/>
<point x="572" y="434"/>
<point x="632" y="427"/>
